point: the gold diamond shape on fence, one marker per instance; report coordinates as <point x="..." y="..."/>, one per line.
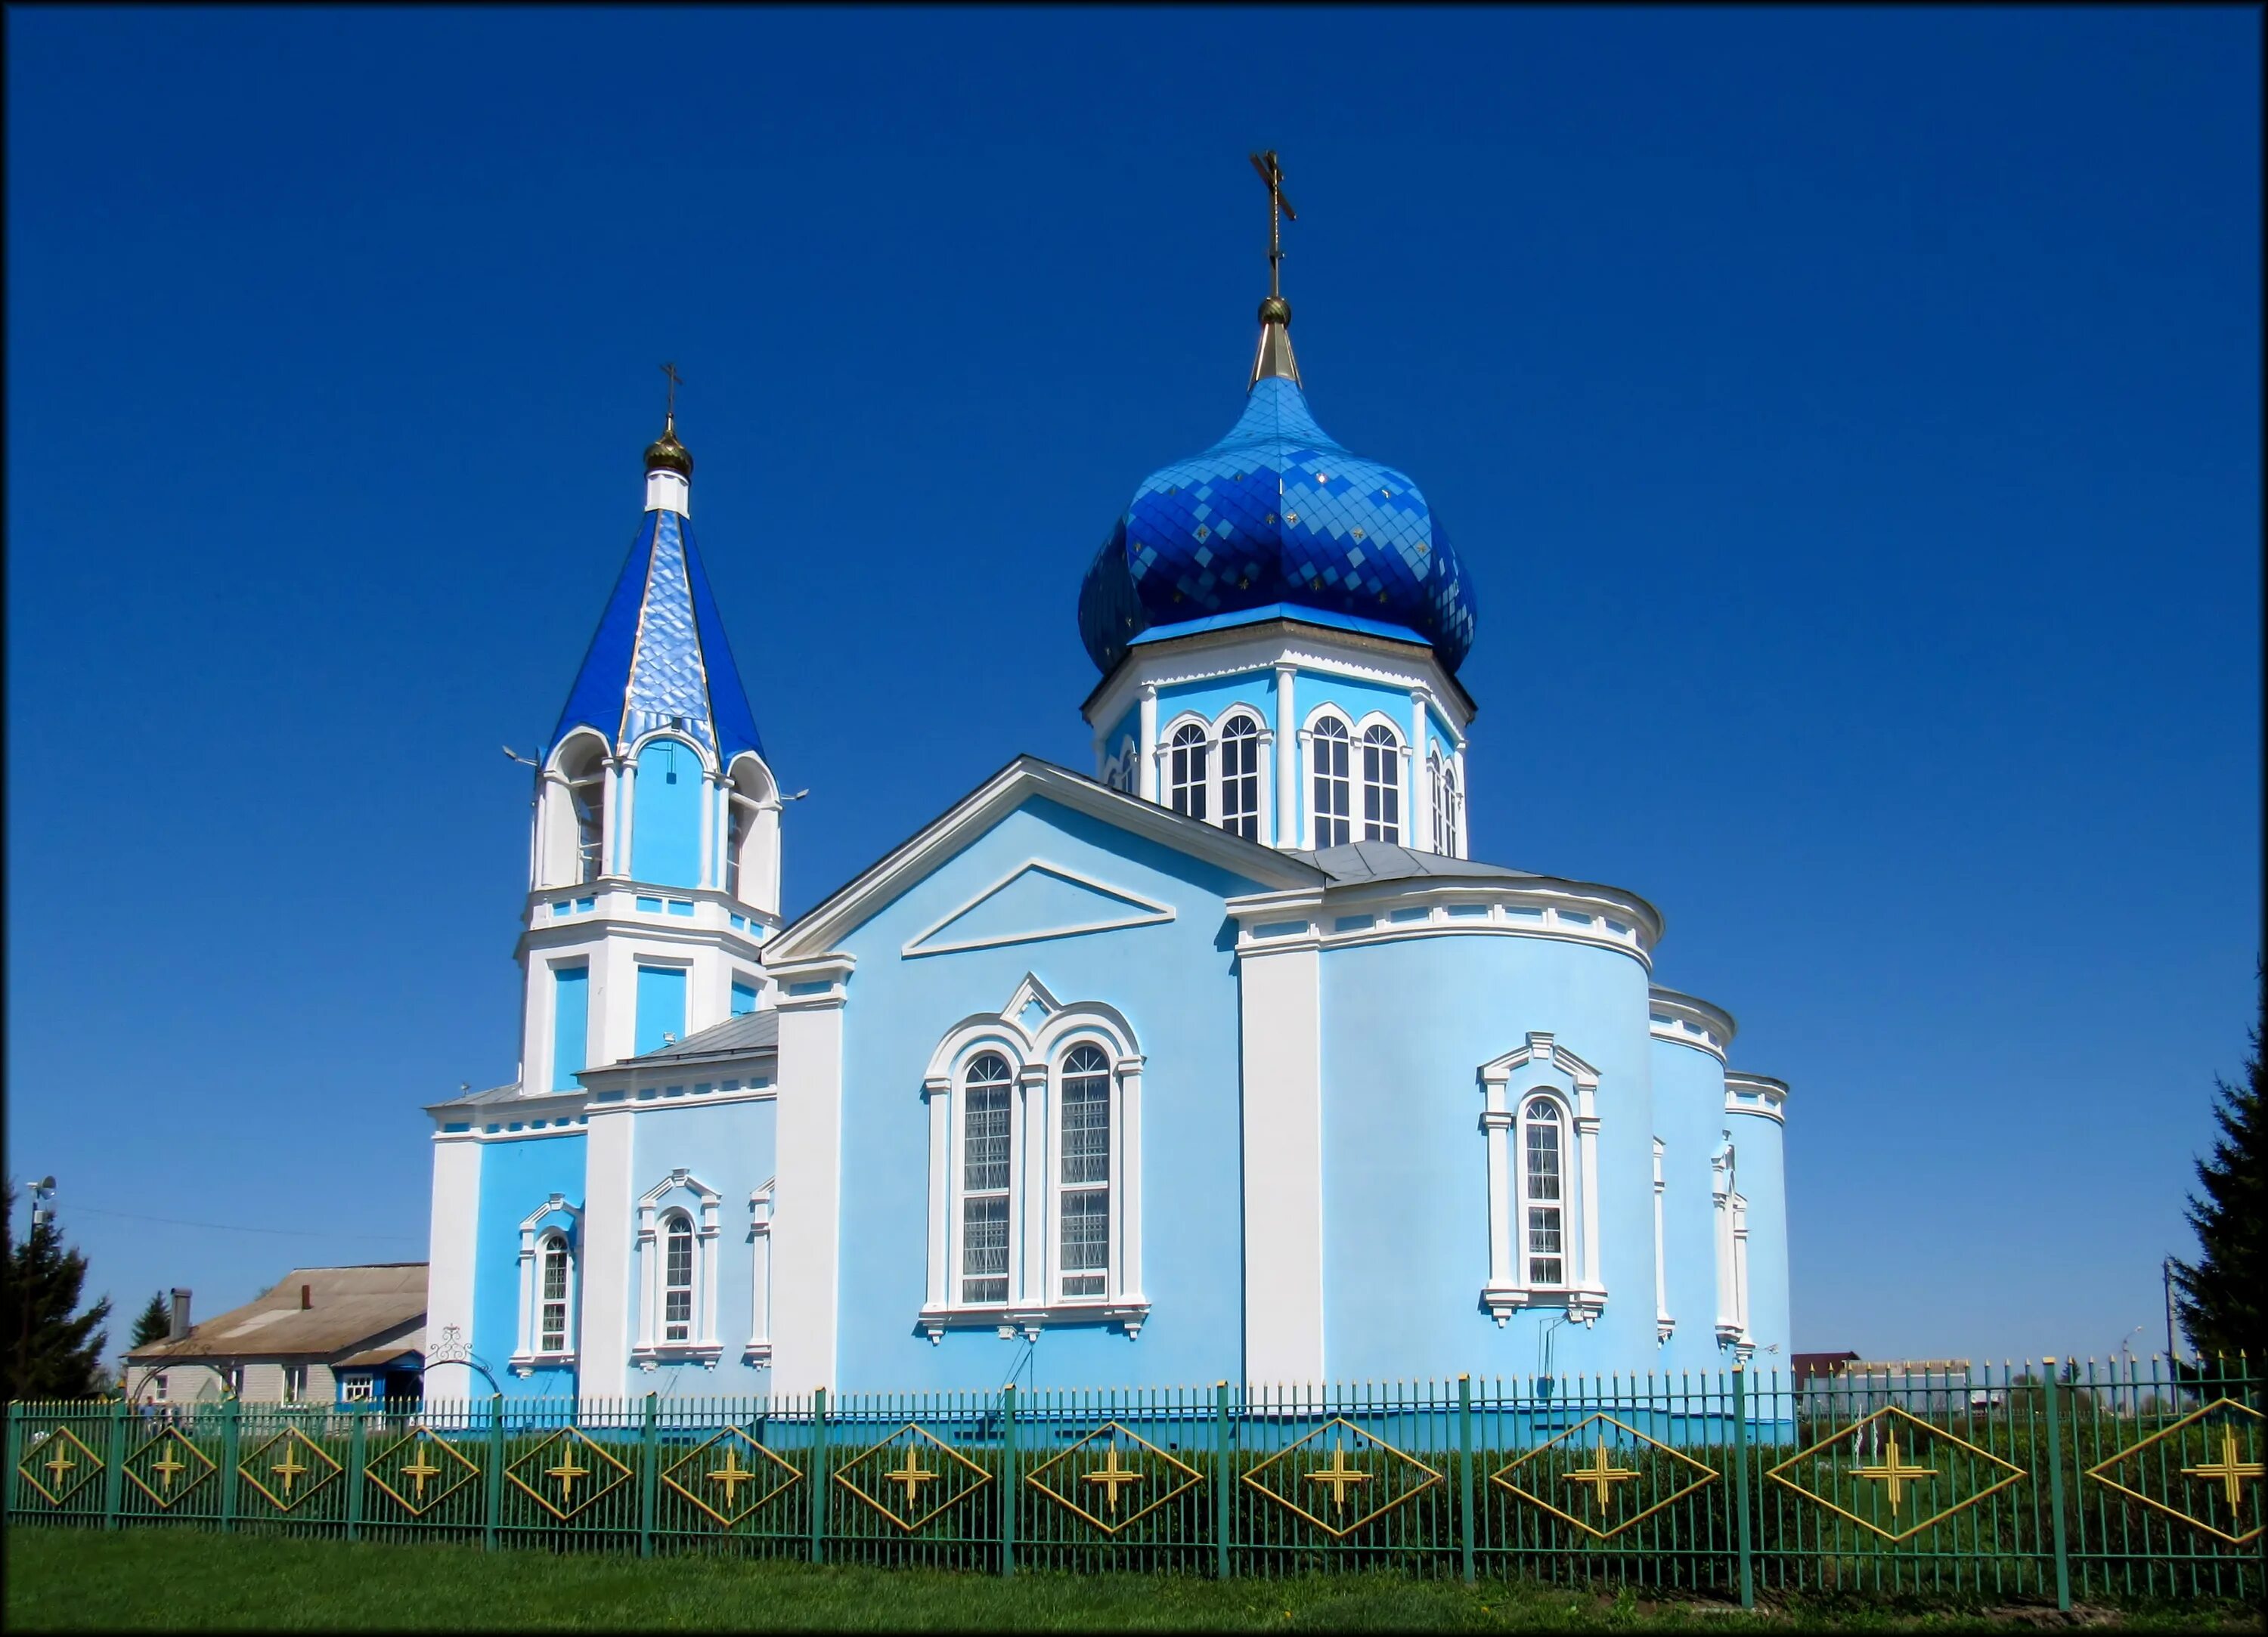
<point x="911" y="1476"/>
<point x="67" y="1472"/>
<point x="297" y="1478"/>
<point x="747" y="1490"/>
<point x="1884" y="1471"/>
<point x="1346" y="1483"/>
<point x="177" y="1464"/>
<point x="557" y="1464"/>
<point x="2225" y="1463"/>
<point x="1598" y="1482"/>
<point x="424" y="1463"/>
<point x="1154" y="1481"/>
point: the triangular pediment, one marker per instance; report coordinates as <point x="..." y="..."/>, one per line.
<point x="1034" y="902"/>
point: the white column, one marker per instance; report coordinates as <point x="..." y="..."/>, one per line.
<point x="529" y="1272"/>
<point x="1283" y="1165"/>
<point x="1662" y="1322"/>
<point x="1496" y="1121"/>
<point x="646" y="1269"/>
<point x="1032" y="1210"/>
<point x="453" y="1239"/>
<point x="1421" y="788"/>
<point x="1287" y="760"/>
<point x="1464" y="807"/>
<point x="760" y="1277"/>
<point x="711" y="1245"/>
<point x="604" y="1350"/>
<point x="1149" y="777"/>
<point x="937" y="1093"/>
<point x="1586" y="1147"/>
<point x="610" y="800"/>
<point x="710" y="874"/>
<point x="1126" y="1186"/>
<point x="626" y="810"/>
<point x="807" y="1220"/>
<point x="1268" y="786"/>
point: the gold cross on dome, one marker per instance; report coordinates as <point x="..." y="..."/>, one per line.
<point x="1601" y="1476"/>
<point x="732" y="1475"/>
<point x="1113" y="1477"/>
<point x="287" y="1469"/>
<point x="912" y="1475"/>
<point x="1895" y="1475"/>
<point x="421" y="1472"/>
<point x="2229" y="1472"/>
<point x="166" y="1466"/>
<point x="57" y="1464"/>
<point x="675" y="381"/>
<point x="1338" y="1475"/>
<point x="568" y="1474"/>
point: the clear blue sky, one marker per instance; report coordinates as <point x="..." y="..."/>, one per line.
<point x="1851" y="420"/>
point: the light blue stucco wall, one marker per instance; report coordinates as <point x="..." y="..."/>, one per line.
<point x="571" y="1024"/>
<point x="1174" y="982"/>
<point x="1406" y="1026"/>
<point x="665" y="817"/>
<point x="1689" y="1115"/>
<point x="1256" y="690"/>
<point x="1759" y="1155"/>
<point x="516" y="1176"/>
<point x="731" y="1147"/>
<point x="660" y="1006"/>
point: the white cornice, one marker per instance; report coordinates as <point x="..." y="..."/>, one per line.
<point x="1758" y="1094"/>
<point x="1525" y="906"/>
<point x="1688" y="1020"/>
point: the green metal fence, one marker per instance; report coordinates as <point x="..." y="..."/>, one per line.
<point x="2046" y="1482"/>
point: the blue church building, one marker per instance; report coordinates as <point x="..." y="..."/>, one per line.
<point x="1224" y="1059"/>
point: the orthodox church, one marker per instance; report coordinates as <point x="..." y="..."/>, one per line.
<point x="1228" y="1061"/>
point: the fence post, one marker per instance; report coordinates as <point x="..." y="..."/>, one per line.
<point x="358" y="1463"/>
<point x="1221" y="1479"/>
<point x="494" y="1514"/>
<point x="2055" y="1488"/>
<point x="1008" y="1479"/>
<point x="1465" y="1469"/>
<point x="113" y="1467"/>
<point x="649" y="1485"/>
<point x="15" y="1453"/>
<point x="231" y="1437"/>
<point x="1740" y="1482"/>
<point x="819" y="1475"/>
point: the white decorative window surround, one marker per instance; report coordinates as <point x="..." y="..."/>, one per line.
<point x="1542" y="1125"/>
<point x="759" y="1350"/>
<point x="551" y="1244"/>
<point x="1731" y="1213"/>
<point x="1035" y="1134"/>
<point x="1663" y="1324"/>
<point x="677" y="1229"/>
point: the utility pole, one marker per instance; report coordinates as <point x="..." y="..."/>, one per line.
<point x="2173" y="1350"/>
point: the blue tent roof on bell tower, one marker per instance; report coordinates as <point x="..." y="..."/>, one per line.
<point x="659" y="657"/>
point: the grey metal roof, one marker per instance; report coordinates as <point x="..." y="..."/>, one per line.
<point x="494" y="1094"/>
<point x="1384" y="860"/>
<point x="735" y="1037"/>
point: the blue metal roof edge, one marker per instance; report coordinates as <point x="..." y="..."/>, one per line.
<point x="1279" y="611"/>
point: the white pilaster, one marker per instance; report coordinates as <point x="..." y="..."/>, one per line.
<point x="1287" y="761"/>
<point x="1283" y="1165"/>
<point x="1496" y="1121"/>
<point x="449" y="1260"/>
<point x="1463" y="808"/>
<point x="759" y="1350"/>
<point x="1033" y="1205"/>
<point x="711" y="873"/>
<point x="1126" y="1158"/>
<point x="626" y="810"/>
<point x="806" y="1222"/>
<point x="611" y="800"/>
<point x="606" y="1229"/>
<point x="1421" y="788"/>
<point x="936" y="1091"/>
<point x="1149" y="742"/>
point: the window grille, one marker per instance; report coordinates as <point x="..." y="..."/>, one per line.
<point x="1440" y="801"/>
<point x="1546" y="1254"/>
<point x="1381" y="786"/>
<point x="985" y="1180"/>
<point x="1086" y="1181"/>
<point x="1453" y="812"/>
<point x="1333" y="792"/>
<point x="1189" y="756"/>
<point x="553" y="1331"/>
<point x="677" y="1280"/>
<point x="1240" y="777"/>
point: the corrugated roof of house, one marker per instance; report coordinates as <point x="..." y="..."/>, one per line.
<point x="348" y="1307"/>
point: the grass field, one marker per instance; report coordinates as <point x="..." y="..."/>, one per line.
<point x="73" y="1580"/>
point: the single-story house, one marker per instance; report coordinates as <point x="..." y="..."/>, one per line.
<point x="320" y="1335"/>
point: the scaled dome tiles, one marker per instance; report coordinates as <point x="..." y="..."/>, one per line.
<point x="1275" y="512"/>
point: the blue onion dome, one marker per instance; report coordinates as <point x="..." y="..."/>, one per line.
<point x="1276" y="512"/>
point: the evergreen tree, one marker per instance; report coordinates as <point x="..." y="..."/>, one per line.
<point x="2218" y="1295"/>
<point x="44" y="1352"/>
<point x="154" y="1323"/>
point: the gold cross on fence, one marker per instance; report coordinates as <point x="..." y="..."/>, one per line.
<point x="166" y="1466"/>
<point x="57" y="1464"/>
<point x="1113" y="1477"/>
<point x="732" y="1475"/>
<point x="1895" y="1475"/>
<point x="1338" y="1475"/>
<point x="567" y="1472"/>
<point x="1601" y="1476"/>
<point x="421" y="1472"/>
<point x="289" y="1468"/>
<point x="912" y="1476"/>
<point x="2229" y="1472"/>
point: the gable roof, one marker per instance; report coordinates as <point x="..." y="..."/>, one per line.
<point x="349" y="1307"/>
<point x="1026" y="776"/>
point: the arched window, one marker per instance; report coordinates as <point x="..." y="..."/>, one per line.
<point x="1334" y="802"/>
<point x="1240" y="777"/>
<point x="1453" y="812"/>
<point x="1440" y="803"/>
<point x="677" y="1277"/>
<point x="736" y="836"/>
<point x="1085" y="1192"/>
<point x="587" y="795"/>
<point x="1544" y="1191"/>
<point x="1188" y="792"/>
<point x="986" y="1092"/>
<point x="1381" y="785"/>
<point x="551" y="1325"/>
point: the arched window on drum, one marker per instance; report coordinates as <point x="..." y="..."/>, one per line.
<point x="1334" y="794"/>
<point x="1239" y="776"/>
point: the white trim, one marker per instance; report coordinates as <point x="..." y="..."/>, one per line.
<point x="1149" y="744"/>
<point x="1530" y="907"/>
<point x="759" y="1350"/>
<point x="1283" y="832"/>
<point x="807" y="1220"/>
<point x="1282" y="1131"/>
<point x="453" y="1247"/>
<point x="1663" y="1324"/>
<point x="654" y="1205"/>
<point x="1147" y="911"/>
<point x="1688" y="1020"/>
<point x="607" y="1221"/>
<point x="535" y="1230"/>
<point x="1759" y="1096"/>
<point x="1507" y="1083"/>
<point x="1421" y="792"/>
<point x="1729" y="1212"/>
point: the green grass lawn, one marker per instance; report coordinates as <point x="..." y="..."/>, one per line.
<point x="170" y="1580"/>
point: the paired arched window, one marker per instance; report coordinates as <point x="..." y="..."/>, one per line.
<point x="1381" y="785"/>
<point x="1544" y="1191"/>
<point x="1240" y="777"/>
<point x="1334" y="802"/>
<point x="987" y="1088"/>
<point x="1187" y="768"/>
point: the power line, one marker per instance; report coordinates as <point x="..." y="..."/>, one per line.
<point x="288" y="1233"/>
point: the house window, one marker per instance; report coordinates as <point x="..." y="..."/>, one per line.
<point x="677" y="1277"/>
<point x="1333" y="788"/>
<point x="1188" y="783"/>
<point x="984" y="1154"/>
<point x="295" y="1383"/>
<point x="356" y="1389"/>
<point x="551" y="1331"/>
<point x="157" y="1388"/>
<point x="1542" y="1195"/>
<point x="1381" y="786"/>
<point x="1084" y="1194"/>
<point x="236" y="1381"/>
<point x="1240" y="777"/>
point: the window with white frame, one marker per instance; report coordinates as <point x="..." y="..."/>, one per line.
<point x="1333" y="797"/>
<point x="1381" y="785"/>
<point x="1439" y="802"/>
<point x="586" y="771"/>
<point x="1187" y="766"/>
<point x="1540" y="1125"/>
<point x="157" y="1388"/>
<point x="1453" y="812"/>
<point x="295" y="1383"/>
<point x="555" y="1259"/>
<point x="1542" y="1192"/>
<point x="1240" y="777"/>
<point x="549" y="1236"/>
<point x="677" y="1236"/>
<point x="1034" y="1144"/>
<point x="356" y="1389"/>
